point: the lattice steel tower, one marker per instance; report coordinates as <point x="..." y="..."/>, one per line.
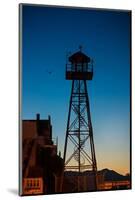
<point x="79" y="150"/>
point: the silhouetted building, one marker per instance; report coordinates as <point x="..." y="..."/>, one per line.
<point x="41" y="164"/>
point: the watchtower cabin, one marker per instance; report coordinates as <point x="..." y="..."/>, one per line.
<point x="79" y="67"/>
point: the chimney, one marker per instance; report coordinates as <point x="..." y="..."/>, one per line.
<point x="49" y="118"/>
<point x="38" y="123"/>
<point x="38" y="116"/>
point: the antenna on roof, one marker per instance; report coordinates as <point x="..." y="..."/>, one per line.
<point x="80" y="47"/>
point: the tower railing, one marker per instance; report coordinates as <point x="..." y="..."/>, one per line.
<point x="79" y="67"/>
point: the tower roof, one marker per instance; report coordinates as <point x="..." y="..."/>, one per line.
<point x="79" y="57"/>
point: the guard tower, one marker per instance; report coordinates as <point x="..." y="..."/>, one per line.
<point x="79" y="151"/>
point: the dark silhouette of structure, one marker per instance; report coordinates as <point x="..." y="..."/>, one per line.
<point x="79" y="150"/>
<point x="41" y="164"/>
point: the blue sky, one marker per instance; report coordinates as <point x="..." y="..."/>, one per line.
<point x="49" y="33"/>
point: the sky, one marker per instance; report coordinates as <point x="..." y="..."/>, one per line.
<point x="48" y="35"/>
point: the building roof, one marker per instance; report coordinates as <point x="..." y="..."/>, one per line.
<point x="79" y="57"/>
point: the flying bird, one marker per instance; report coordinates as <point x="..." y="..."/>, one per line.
<point x="49" y="72"/>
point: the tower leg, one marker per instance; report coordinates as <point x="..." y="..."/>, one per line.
<point x="91" y="138"/>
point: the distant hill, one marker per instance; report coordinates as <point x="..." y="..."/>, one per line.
<point x="109" y="175"/>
